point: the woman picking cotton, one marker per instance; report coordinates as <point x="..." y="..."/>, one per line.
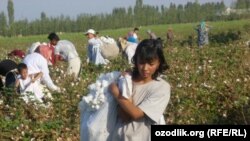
<point x="142" y="97"/>
<point x="150" y="95"/>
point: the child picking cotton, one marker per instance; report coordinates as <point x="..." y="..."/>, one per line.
<point x="28" y="85"/>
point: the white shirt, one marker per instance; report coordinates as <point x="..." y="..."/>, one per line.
<point x="27" y="87"/>
<point x="66" y="49"/>
<point x="94" y="51"/>
<point x="37" y="63"/>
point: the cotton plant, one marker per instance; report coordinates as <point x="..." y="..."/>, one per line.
<point x="98" y="91"/>
<point x="30" y="97"/>
<point x="1" y="102"/>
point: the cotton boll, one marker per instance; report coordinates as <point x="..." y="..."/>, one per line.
<point x="238" y="80"/>
<point x="105" y="83"/>
<point x="92" y="87"/>
<point x="98" y="83"/>
<point x="23" y="133"/>
<point x="101" y="91"/>
<point x="102" y="98"/>
<point x="97" y="106"/>
<point x="88" y="98"/>
<point x="179" y="85"/>
<point x="1" y="102"/>
<point x="95" y="102"/>
<point x="97" y="90"/>
<point x="245" y="79"/>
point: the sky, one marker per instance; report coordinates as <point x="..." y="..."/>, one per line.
<point x="31" y="9"/>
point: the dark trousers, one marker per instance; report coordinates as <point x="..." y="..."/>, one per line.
<point x="6" y="66"/>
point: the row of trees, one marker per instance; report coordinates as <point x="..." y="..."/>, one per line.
<point x="242" y="4"/>
<point x="140" y="14"/>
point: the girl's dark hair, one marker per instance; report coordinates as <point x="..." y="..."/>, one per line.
<point x="53" y="36"/>
<point x="146" y="51"/>
<point x="21" y="66"/>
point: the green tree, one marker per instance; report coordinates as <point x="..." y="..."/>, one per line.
<point x="139" y="15"/>
<point x="242" y="4"/>
<point x="10" y="8"/>
<point x="3" y="24"/>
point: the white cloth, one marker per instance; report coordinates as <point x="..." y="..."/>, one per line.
<point x="125" y="86"/>
<point x="66" y="49"/>
<point x="37" y="63"/>
<point x="130" y="51"/>
<point x="30" y="91"/>
<point x="74" y="66"/>
<point x="98" y="120"/>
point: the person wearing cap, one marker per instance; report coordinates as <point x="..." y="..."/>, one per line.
<point x="151" y="35"/>
<point x="94" y="51"/>
<point x="67" y="51"/>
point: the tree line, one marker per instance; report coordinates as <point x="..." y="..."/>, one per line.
<point x="139" y="15"/>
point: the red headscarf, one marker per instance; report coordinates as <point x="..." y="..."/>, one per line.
<point x="18" y="53"/>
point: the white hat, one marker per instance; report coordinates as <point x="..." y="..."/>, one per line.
<point x="91" y="31"/>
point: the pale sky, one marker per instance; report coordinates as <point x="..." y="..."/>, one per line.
<point x="31" y="9"/>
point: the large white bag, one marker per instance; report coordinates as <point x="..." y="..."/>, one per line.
<point x="99" y="109"/>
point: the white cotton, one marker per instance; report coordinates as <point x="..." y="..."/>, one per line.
<point x="99" y="108"/>
<point x="105" y="83"/>
<point x="98" y="83"/>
